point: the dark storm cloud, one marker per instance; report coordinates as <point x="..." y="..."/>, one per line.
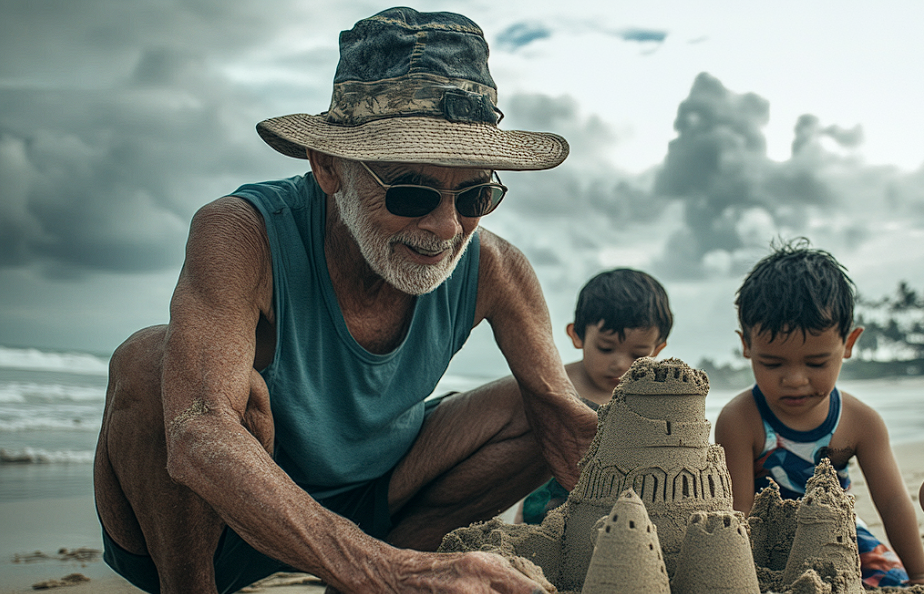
<point x="521" y="34"/>
<point x="564" y="217"/>
<point x="560" y="115"/>
<point x="718" y="136"/>
<point x="119" y="120"/>
<point x="715" y="166"/>
<point x="735" y="199"/>
<point x="587" y="184"/>
<point x="809" y="132"/>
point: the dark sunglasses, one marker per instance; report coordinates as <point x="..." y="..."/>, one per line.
<point x="409" y="200"/>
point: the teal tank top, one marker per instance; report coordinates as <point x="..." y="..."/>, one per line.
<point x="343" y="415"/>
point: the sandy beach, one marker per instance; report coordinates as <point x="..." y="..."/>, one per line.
<point x="48" y="539"/>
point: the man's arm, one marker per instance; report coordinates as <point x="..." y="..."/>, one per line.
<point x="886" y="486"/>
<point x="734" y="431"/>
<point x="510" y="298"/>
<point x="208" y="385"/>
<point x="210" y="393"/>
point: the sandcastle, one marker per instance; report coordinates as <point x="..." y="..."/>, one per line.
<point x="652" y="510"/>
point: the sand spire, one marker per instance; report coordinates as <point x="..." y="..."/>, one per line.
<point x="653" y="437"/>
<point x="826" y="533"/>
<point x="627" y="555"/>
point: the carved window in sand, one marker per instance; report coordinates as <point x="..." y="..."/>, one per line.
<point x="715" y="485"/>
<point x="686" y="485"/>
<point x="650" y="484"/>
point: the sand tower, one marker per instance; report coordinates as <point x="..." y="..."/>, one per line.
<point x="715" y="557"/>
<point x="826" y="533"/>
<point x="627" y="557"/>
<point x="653" y="437"/>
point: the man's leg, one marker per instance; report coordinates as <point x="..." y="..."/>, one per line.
<point x="141" y="508"/>
<point x="475" y="457"/>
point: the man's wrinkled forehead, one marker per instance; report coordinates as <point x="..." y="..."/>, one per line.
<point x="429" y="175"/>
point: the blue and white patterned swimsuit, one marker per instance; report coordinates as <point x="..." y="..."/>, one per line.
<point x="789" y="457"/>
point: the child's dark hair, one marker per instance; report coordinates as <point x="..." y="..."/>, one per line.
<point x="796" y="288"/>
<point x="623" y="299"/>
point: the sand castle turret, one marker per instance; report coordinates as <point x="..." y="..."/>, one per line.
<point x="772" y="521"/>
<point x="627" y="555"/>
<point x="653" y="437"/>
<point x="826" y="533"/>
<point x="715" y="557"/>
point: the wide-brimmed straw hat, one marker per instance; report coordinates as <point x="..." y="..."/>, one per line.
<point x="414" y="87"/>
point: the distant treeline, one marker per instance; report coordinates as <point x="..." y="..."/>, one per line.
<point x="892" y="343"/>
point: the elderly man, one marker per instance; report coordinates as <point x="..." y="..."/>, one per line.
<point x="281" y="419"/>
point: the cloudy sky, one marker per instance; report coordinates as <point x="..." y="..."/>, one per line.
<point x="699" y="132"/>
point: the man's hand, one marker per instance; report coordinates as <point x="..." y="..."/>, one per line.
<point x="460" y="573"/>
<point x="564" y="429"/>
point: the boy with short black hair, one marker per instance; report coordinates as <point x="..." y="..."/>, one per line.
<point x="795" y="309"/>
<point x="621" y="315"/>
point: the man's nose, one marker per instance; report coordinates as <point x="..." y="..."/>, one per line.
<point x="444" y="220"/>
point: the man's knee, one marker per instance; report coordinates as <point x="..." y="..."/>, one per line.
<point x="134" y="410"/>
<point x="137" y="363"/>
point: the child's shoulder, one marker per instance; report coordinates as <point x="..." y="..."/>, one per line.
<point x="861" y="430"/>
<point x="741" y="409"/>
<point x="741" y="404"/>
<point x="857" y="413"/>
<point x="854" y="406"/>
<point x="739" y="425"/>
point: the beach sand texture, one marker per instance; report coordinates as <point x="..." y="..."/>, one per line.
<point x="652" y="444"/>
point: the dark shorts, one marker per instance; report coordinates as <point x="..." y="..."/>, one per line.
<point x="238" y="565"/>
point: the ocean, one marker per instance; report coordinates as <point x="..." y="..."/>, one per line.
<point x="51" y="405"/>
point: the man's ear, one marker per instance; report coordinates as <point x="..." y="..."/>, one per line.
<point x="745" y="349"/>
<point x="575" y="339"/>
<point x="325" y="171"/>
<point x="851" y="340"/>
<point x="658" y="349"/>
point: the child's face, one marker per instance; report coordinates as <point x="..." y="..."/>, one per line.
<point x="796" y="372"/>
<point x="606" y="357"/>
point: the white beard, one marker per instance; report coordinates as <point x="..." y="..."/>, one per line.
<point x="379" y="250"/>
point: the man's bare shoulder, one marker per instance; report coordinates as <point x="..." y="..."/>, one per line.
<point x="230" y="216"/>
<point x="501" y="261"/>
<point x="507" y="283"/>
<point x="495" y="249"/>
<point x="228" y="252"/>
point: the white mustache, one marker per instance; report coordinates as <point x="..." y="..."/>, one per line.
<point x="427" y="243"/>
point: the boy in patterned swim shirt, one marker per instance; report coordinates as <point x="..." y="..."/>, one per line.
<point x="795" y="310"/>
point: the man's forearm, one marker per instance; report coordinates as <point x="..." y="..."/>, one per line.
<point x="230" y="470"/>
